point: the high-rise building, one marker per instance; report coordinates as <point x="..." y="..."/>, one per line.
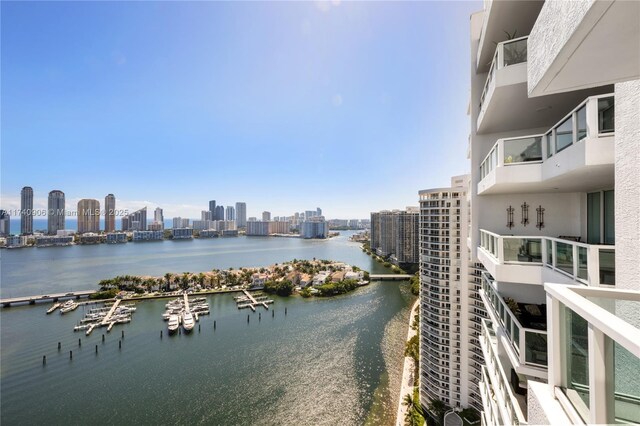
<point x="158" y="220"/>
<point x="26" y="210"/>
<point x="555" y="195"/>
<point x="241" y="214"/>
<point x="257" y="228"/>
<point x="407" y="232"/>
<point x="230" y="213"/>
<point x="314" y="227"/>
<point x="206" y="215"/>
<point x="136" y="221"/>
<point x="5" y="224"/>
<point x="266" y="216"/>
<point x="180" y="222"/>
<point x="88" y="216"/>
<point x="110" y="213"/>
<point x="375" y="231"/>
<point x="55" y="213"/>
<point x="318" y="211"/>
<point x="445" y="352"/>
<point x="219" y="215"/>
<point x="212" y="209"/>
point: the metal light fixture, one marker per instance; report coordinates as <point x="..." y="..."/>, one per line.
<point x="540" y="217"/>
<point x="525" y="214"/>
<point x="510" y="211"/>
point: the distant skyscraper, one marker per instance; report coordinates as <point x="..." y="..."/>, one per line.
<point x="266" y="216"/>
<point x="158" y="215"/>
<point x="219" y="215"/>
<point x="212" y="209"/>
<point x="5" y="224"/>
<point x="230" y="213"/>
<point x="88" y="216"/>
<point x="241" y="214"/>
<point x="26" y="207"/>
<point x="136" y="221"/>
<point x="55" y="213"/>
<point x="110" y="213"/>
<point x="206" y="215"/>
<point x="318" y="211"/>
<point x="179" y="222"/>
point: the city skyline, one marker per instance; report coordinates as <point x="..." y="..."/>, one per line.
<point x="334" y="104"/>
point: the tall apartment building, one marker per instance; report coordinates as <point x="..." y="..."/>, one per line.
<point x="56" y="213"/>
<point x="5" y="224"/>
<point x="219" y="214"/>
<point x="314" y="227"/>
<point x="26" y="210"/>
<point x="257" y="228"/>
<point x="158" y="215"/>
<point x="181" y="222"/>
<point x="136" y="221"/>
<point x="395" y="234"/>
<point x="266" y="216"/>
<point x="230" y="213"/>
<point x="88" y="216"/>
<point x="109" y="213"/>
<point x="555" y="195"/>
<point x="447" y="371"/>
<point x="205" y="215"/>
<point x="212" y="209"/>
<point x="241" y="214"/>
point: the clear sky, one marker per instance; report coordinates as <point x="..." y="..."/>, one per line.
<point x="352" y="107"/>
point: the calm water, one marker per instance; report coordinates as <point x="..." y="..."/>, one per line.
<point x="328" y="361"/>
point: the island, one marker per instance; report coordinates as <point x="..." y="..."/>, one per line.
<point x="316" y="277"/>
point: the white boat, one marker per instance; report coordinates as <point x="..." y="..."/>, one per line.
<point x="187" y="321"/>
<point x="174" y="323"/>
<point x="68" y="306"/>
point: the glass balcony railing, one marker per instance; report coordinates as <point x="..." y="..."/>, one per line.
<point x="510" y="52"/>
<point x="594" y="117"/>
<point x="586" y="263"/>
<point x="496" y="376"/>
<point x="530" y="344"/>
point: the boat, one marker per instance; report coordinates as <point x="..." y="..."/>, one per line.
<point x="54" y="307"/>
<point x="187" y="321"/>
<point x="68" y="306"/>
<point x="174" y="323"/>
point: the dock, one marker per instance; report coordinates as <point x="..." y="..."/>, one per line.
<point x="186" y="302"/>
<point x="251" y="302"/>
<point x="107" y="318"/>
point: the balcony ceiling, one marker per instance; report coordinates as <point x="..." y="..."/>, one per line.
<point x="603" y="49"/>
<point x="510" y="16"/>
<point x="508" y="108"/>
<point x="591" y="178"/>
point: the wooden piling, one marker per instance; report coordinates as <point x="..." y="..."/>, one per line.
<point x="44" y="360"/>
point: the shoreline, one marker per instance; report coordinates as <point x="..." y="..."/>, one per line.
<point x="407" y="384"/>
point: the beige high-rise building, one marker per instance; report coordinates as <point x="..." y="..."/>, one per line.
<point x="110" y="213"/>
<point x="88" y="216"/>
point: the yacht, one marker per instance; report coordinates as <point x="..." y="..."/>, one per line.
<point x="68" y="306"/>
<point x="174" y="323"/>
<point x="187" y="321"/>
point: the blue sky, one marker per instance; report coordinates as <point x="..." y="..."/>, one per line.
<point x="352" y="107"/>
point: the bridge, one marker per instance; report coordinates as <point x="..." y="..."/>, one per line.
<point x="389" y="277"/>
<point x="45" y="298"/>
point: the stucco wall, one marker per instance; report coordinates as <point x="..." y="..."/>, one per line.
<point x="627" y="195"/>
<point x="556" y="23"/>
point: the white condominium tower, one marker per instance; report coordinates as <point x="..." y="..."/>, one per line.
<point x="449" y="364"/>
<point x="555" y="202"/>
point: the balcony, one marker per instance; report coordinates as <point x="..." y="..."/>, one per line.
<point x="535" y="260"/>
<point x="577" y="154"/>
<point x="594" y="348"/>
<point x="510" y="405"/>
<point x="525" y="329"/>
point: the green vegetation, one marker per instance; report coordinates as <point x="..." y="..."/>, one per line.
<point x="412" y="348"/>
<point x="281" y="288"/>
<point x="415" y="284"/>
<point x="470" y="416"/>
<point x="415" y="412"/>
<point x="340" y="287"/>
<point x="305" y="292"/>
<point x="101" y="295"/>
<point x="436" y="411"/>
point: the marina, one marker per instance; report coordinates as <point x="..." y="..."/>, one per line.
<point x="184" y="311"/>
<point x="107" y="316"/>
<point x="250" y="301"/>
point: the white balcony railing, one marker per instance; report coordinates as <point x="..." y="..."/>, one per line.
<point x="594" y="117"/>
<point x="507" y="403"/>
<point x="590" y="264"/>
<point x="529" y="344"/>
<point x="510" y="52"/>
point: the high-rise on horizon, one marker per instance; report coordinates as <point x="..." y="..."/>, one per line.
<point x="88" y="216"/>
<point x="241" y="214"/>
<point x="26" y="210"/>
<point x="110" y="213"/>
<point x="56" y="214"/>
